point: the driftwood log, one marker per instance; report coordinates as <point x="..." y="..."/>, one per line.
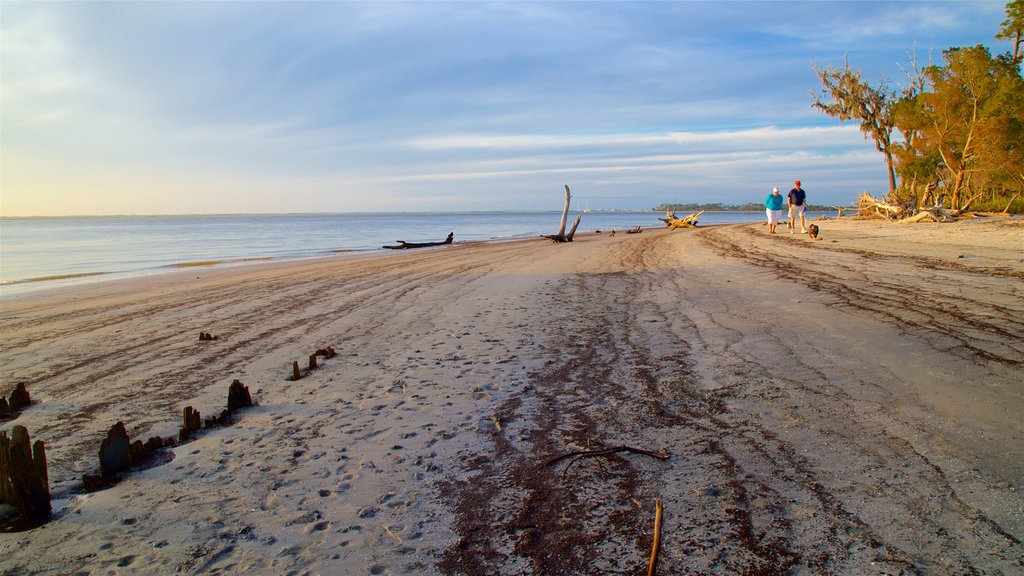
<point x="562" y="236"/>
<point x="402" y="244"/>
<point x="671" y="221"/>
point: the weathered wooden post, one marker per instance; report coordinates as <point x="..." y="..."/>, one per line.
<point x="19" y="398"/>
<point x="238" y="396"/>
<point x="6" y="490"/>
<point x="114" y="451"/>
<point x="191" y="421"/>
<point x="24" y="477"/>
<point x="295" y="370"/>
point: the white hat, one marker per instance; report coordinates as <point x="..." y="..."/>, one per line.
<point x="776" y="189"/>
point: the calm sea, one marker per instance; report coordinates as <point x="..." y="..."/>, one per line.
<point x="41" y="253"/>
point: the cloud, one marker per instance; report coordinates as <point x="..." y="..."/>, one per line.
<point x="357" y="105"/>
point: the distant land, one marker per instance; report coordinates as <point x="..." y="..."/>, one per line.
<point x="716" y="207"/>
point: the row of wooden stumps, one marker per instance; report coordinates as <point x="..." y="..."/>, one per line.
<point x="297" y="374"/>
<point x="118" y="453"/>
<point x="24" y="481"/>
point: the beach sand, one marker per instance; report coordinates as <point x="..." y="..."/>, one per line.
<point x="847" y="405"/>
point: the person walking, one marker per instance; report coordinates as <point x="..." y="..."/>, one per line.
<point x="773" y="208"/>
<point x="797" y="206"/>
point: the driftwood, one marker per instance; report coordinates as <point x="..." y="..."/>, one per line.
<point x="636" y="230"/>
<point x="652" y="566"/>
<point x="562" y="236"/>
<point x="871" y="207"/>
<point x="671" y="221"/>
<point x="933" y="214"/>
<point x="402" y="244"/>
<point x="839" y="210"/>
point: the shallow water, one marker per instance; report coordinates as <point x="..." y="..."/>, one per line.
<point x="39" y="253"/>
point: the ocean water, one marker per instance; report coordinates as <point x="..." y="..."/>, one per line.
<point x="41" y="253"/>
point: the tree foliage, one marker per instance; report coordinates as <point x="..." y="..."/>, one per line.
<point x="847" y="96"/>
<point x="964" y="128"/>
<point x="1013" y="27"/>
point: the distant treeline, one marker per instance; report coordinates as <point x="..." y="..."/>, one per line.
<point x="716" y="207"/>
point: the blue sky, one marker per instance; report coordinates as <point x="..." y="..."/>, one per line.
<point x="227" y="107"/>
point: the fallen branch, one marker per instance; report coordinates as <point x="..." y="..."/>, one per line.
<point x="581" y="454"/>
<point x="1010" y="203"/>
<point x="653" y="564"/>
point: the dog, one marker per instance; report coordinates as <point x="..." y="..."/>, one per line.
<point x="812" y="231"/>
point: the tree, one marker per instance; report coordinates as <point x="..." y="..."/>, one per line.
<point x="1012" y="28"/>
<point x="968" y="120"/>
<point x="847" y="97"/>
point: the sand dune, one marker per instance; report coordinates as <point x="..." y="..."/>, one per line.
<point x="850" y="405"/>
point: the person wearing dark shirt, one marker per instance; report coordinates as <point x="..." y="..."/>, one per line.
<point x="797" y="206"/>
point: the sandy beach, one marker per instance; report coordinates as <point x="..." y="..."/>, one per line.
<point x="847" y="405"/>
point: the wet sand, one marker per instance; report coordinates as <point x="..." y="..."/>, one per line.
<point x="848" y="405"/>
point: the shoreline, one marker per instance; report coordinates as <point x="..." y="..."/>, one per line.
<point x="358" y="233"/>
<point x="828" y="406"/>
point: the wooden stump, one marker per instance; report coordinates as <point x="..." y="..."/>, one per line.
<point x="19" y="398"/>
<point x="238" y="396"/>
<point x="115" y="451"/>
<point x="191" y="421"/>
<point x="24" y="481"/>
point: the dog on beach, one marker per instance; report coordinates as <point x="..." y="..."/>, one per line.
<point x="812" y="231"/>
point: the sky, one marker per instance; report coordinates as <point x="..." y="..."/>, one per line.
<point x="111" y="108"/>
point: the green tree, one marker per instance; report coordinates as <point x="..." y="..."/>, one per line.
<point x="1012" y="28"/>
<point x="967" y="120"/>
<point x="846" y="96"/>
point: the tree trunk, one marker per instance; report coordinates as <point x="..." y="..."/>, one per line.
<point x="892" y="172"/>
<point x="565" y="212"/>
